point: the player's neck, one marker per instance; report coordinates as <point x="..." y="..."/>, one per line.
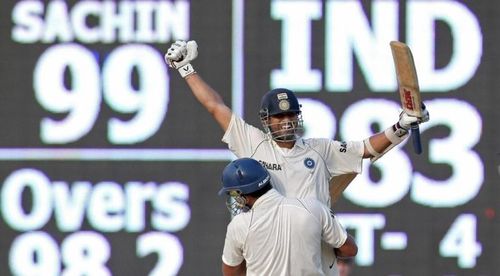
<point x="287" y="145"/>
<point x="250" y="201"/>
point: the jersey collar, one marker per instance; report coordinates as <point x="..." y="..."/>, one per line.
<point x="298" y="143"/>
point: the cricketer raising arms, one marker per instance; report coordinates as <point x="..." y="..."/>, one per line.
<point x="298" y="167"/>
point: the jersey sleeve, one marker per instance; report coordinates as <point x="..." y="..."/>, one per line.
<point x="242" y="138"/>
<point x="232" y="254"/>
<point x="333" y="233"/>
<point x="344" y="157"/>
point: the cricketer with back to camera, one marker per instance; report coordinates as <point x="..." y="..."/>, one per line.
<point x="298" y="167"/>
<point x="271" y="234"/>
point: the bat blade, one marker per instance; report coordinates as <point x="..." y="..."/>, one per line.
<point x="409" y="91"/>
<point x="338" y="184"/>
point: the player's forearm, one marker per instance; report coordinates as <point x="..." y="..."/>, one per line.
<point x="239" y="270"/>
<point x="348" y="250"/>
<point x="179" y="56"/>
<point x="210" y="99"/>
<point x="205" y="94"/>
<point x="379" y="143"/>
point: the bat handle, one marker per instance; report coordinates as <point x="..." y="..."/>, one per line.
<point x="415" y="137"/>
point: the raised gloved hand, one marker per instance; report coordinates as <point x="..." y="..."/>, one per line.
<point x="179" y="56"/>
<point x="406" y="120"/>
<point x="398" y="132"/>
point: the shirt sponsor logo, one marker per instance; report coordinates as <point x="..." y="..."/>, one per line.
<point x="408" y="99"/>
<point x="309" y="163"/>
<point x="343" y="147"/>
<point x="270" y="166"/>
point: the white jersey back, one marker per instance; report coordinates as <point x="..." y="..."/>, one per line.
<point x="303" y="171"/>
<point x="282" y="236"/>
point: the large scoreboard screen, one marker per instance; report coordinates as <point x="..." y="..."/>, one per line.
<point x="109" y="165"/>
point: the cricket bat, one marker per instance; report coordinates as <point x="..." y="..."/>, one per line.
<point x="338" y="184"/>
<point x="409" y="91"/>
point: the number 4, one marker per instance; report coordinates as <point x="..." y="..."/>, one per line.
<point x="460" y="241"/>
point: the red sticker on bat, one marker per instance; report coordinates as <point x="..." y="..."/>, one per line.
<point x="408" y="101"/>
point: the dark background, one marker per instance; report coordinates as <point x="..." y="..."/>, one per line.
<point x="187" y="125"/>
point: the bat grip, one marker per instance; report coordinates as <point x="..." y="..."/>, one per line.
<point x="415" y="137"/>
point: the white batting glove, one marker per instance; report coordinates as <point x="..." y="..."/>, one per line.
<point x="398" y="132"/>
<point x="406" y="120"/>
<point x="179" y="56"/>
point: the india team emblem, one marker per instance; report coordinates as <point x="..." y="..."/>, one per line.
<point x="309" y="163"/>
<point x="284" y="105"/>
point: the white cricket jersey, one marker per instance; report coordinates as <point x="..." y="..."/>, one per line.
<point x="282" y="236"/>
<point x="303" y="171"/>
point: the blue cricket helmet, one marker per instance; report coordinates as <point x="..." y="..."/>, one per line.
<point x="281" y="101"/>
<point x="277" y="101"/>
<point x="244" y="175"/>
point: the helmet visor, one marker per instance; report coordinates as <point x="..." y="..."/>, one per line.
<point x="284" y="130"/>
<point x="236" y="203"/>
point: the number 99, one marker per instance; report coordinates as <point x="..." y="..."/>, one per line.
<point x="67" y="79"/>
